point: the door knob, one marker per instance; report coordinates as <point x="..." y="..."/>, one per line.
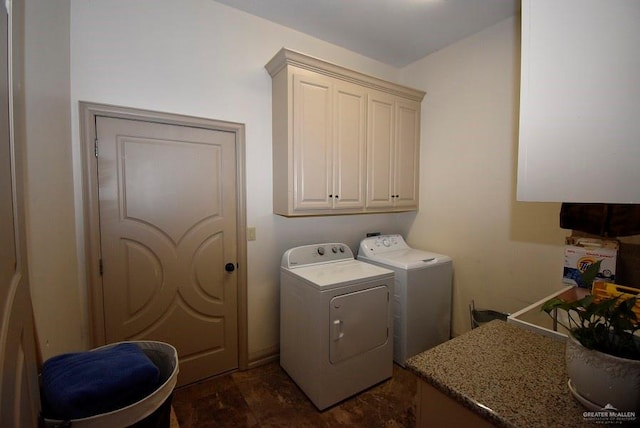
<point x="229" y="267"/>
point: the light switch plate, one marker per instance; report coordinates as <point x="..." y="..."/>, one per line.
<point x="251" y="233"/>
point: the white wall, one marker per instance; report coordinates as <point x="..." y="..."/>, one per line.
<point x="506" y="254"/>
<point x="200" y="58"/>
<point x="51" y="239"/>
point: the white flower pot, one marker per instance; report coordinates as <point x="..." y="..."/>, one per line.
<point x="598" y="379"/>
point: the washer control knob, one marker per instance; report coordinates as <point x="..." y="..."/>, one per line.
<point x="341" y="249"/>
<point x="321" y="251"/>
<point x="334" y="250"/>
<point x="386" y="242"/>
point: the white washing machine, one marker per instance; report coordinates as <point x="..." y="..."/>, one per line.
<point x="335" y="322"/>
<point x="422" y="299"/>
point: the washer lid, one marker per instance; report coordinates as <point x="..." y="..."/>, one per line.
<point x="407" y="259"/>
<point x="341" y="273"/>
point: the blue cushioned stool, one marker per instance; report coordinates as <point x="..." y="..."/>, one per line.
<point x="115" y="385"/>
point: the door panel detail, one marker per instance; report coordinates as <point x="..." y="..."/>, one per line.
<point x="147" y="186"/>
<point x="200" y="326"/>
<point x="210" y="277"/>
<point x="144" y="275"/>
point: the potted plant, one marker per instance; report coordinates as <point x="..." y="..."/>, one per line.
<point x="603" y="352"/>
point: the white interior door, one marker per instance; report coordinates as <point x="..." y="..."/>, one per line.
<point x="167" y="197"/>
<point x="19" y="393"/>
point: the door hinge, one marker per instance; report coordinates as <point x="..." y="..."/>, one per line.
<point x="100" y="266"/>
<point x="95" y="147"/>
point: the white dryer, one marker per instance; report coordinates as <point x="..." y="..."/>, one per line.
<point x="422" y="299"/>
<point x="335" y="322"/>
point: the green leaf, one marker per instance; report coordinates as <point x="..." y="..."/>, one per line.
<point x="606" y="325"/>
<point x="554" y="303"/>
<point x="590" y="273"/>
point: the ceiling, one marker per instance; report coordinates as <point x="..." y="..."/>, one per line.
<point x="396" y="32"/>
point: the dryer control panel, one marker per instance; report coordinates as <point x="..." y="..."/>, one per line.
<point x="382" y="244"/>
<point x="316" y="253"/>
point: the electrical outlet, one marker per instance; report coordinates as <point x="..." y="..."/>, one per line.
<point x="251" y="233"/>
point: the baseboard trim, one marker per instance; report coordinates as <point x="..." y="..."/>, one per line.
<point x="264" y="356"/>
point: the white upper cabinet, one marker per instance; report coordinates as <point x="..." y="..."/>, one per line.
<point x="393" y="152"/>
<point x="381" y="138"/>
<point x="580" y="101"/>
<point x="313" y="142"/>
<point x="328" y="143"/>
<point x="343" y="142"/>
<point x="406" y="154"/>
<point x="350" y="120"/>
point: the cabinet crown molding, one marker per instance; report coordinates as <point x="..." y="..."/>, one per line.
<point x="286" y="57"/>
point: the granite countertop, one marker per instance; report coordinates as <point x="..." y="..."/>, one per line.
<point x="509" y="376"/>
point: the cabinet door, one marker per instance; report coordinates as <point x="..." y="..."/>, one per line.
<point x="407" y="154"/>
<point x="579" y="102"/>
<point x="380" y="154"/>
<point x="349" y="146"/>
<point x="312" y="142"/>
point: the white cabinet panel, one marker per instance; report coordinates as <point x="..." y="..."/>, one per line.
<point x="328" y="143"/>
<point x="407" y="154"/>
<point x="350" y="138"/>
<point x="580" y="101"/>
<point x="393" y="153"/>
<point x="312" y="142"/>
<point x="381" y="136"/>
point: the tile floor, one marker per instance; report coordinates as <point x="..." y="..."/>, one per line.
<point x="266" y="397"/>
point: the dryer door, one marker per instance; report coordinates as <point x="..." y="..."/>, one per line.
<point x="359" y="323"/>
